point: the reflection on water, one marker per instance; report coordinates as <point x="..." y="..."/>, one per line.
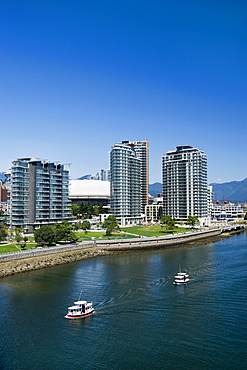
<point x="141" y="319"/>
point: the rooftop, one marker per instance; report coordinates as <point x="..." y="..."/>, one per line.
<point x="89" y="188"/>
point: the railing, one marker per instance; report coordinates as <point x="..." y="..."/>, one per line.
<point x="232" y="228"/>
<point x="142" y="241"/>
<point x="156" y="239"/>
<point x="42" y="251"/>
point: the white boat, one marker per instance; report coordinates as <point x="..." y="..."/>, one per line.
<point x="79" y="310"/>
<point x="181" y="278"/>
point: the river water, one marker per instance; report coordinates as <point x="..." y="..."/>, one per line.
<point x="142" y="321"/>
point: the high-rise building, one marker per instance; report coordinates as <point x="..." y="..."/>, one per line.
<point x="185" y="190"/>
<point x="129" y="180"/>
<point x="105" y="175"/>
<point x="142" y="152"/>
<point x="39" y="193"/>
<point x="3" y="193"/>
<point x="4" y="197"/>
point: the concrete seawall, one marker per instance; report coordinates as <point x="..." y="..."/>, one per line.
<point x="15" y="266"/>
<point x="157" y="242"/>
<point x="12" y="263"/>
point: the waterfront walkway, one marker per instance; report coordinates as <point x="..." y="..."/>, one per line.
<point x="23" y="261"/>
<point x="123" y="244"/>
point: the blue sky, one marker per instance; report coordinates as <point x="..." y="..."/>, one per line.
<point x="78" y="76"/>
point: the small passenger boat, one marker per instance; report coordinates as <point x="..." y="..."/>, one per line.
<point x="181" y="278"/>
<point x="79" y="310"/>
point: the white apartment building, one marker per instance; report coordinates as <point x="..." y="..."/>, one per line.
<point x="185" y="190"/>
<point x="142" y="152"/>
<point x="105" y="175"/>
<point x="129" y="181"/>
<point x="38" y="194"/>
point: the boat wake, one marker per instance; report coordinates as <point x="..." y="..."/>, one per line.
<point x="134" y="292"/>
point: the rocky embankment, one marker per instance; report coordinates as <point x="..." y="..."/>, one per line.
<point x="58" y="256"/>
<point x="34" y="263"/>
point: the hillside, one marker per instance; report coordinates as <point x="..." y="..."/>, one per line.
<point x="154" y="189"/>
<point x="232" y="191"/>
<point x="2" y="177"/>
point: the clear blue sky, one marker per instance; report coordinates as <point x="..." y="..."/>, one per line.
<point x="78" y="76"/>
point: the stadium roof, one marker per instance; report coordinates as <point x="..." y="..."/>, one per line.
<point x="89" y="189"/>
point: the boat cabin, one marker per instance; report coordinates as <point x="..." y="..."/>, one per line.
<point x="80" y="307"/>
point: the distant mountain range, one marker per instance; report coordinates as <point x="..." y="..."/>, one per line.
<point x="232" y="191"/>
<point x="155" y="189"/>
<point x="85" y="177"/>
<point x="2" y="176"/>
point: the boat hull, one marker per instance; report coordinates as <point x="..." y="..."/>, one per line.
<point x="180" y="282"/>
<point x="79" y="316"/>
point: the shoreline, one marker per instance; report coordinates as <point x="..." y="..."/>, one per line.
<point x="15" y="266"/>
<point x="12" y="267"/>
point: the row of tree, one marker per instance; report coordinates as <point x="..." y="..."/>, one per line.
<point x="170" y="222"/>
<point x="52" y="234"/>
<point x="3" y="234"/>
<point x="64" y="232"/>
<point x="3" y="227"/>
<point x="87" y="210"/>
<point x="16" y="235"/>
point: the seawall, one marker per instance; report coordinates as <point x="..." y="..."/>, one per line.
<point x="15" y="266"/>
<point x="12" y="263"/>
<point x="157" y="242"/>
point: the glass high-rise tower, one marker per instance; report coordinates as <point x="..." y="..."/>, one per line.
<point x="129" y="180"/>
<point x="39" y="193"/>
<point x="185" y="190"/>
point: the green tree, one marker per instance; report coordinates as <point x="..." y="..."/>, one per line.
<point x="102" y="209"/>
<point x="50" y="234"/>
<point x="18" y="235"/>
<point x="192" y="220"/>
<point x="85" y="225"/>
<point x="75" y="209"/>
<point x="110" y="224"/>
<point x="245" y="216"/>
<point x="3" y="218"/>
<point x="3" y="234"/>
<point x="83" y="209"/>
<point x="45" y="235"/>
<point x="90" y="210"/>
<point x="76" y="226"/>
<point x="24" y="244"/>
<point x="168" y="221"/>
<point x="96" y="210"/>
<point x="64" y="232"/>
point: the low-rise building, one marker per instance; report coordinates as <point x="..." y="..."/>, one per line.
<point x="226" y="211"/>
<point x="153" y="213"/>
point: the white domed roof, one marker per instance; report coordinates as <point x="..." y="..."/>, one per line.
<point x="89" y="188"/>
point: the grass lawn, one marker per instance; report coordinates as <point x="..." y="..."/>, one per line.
<point x="14" y="248"/>
<point x="155" y="230"/>
<point x="100" y="235"/>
